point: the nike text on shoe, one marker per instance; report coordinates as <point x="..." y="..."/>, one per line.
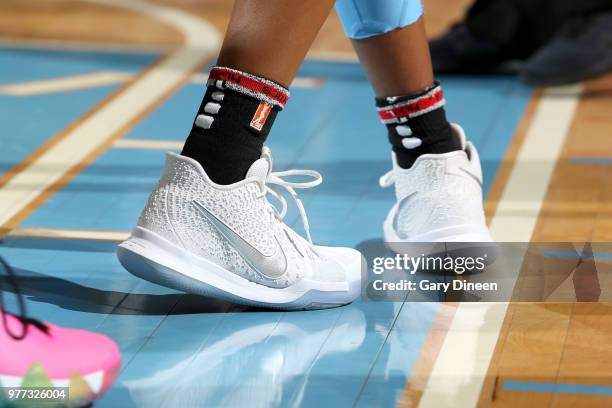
<point x="439" y="199"/>
<point x="229" y="242"/>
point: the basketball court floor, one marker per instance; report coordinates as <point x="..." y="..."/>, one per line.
<point x="94" y="92"/>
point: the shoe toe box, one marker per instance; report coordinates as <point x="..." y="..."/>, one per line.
<point x="345" y="264"/>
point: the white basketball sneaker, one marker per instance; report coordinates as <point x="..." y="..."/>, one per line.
<point x="229" y="242"/>
<point x="439" y="199"/>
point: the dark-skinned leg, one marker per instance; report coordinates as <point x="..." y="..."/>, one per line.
<point x="208" y="227"/>
<point x="398" y="65"/>
<point x="398" y="62"/>
<point x="436" y="173"/>
<point x="264" y="46"/>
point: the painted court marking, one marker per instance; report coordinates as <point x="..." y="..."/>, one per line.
<point x="592" y="160"/>
<point x="557" y="388"/>
<point x="461" y="367"/>
<point x="66" y="84"/>
<point x="298" y="82"/>
<point x="59" y="233"/>
<point x="106" y="77"/>
<point x="148" y="144"/>
<point x="201" y="41"/>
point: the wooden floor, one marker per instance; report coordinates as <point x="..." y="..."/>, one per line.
<point x="82" y="21"/>
<point x="566" y="343"/>
<point x="540" y="344"/>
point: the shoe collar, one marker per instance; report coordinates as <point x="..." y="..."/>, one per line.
<point x="467" y="151"/>
<point x="261" y="173"/>
<point x="466" y="148"/>
<point x="258" y="171"/>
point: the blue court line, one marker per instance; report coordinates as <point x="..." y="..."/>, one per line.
<point x="31" y="64"/>
<point x="557" y="388"/>
<point x="576" y="255"/>
<point x="29" y="121"/>
<point x="592" y="160"/>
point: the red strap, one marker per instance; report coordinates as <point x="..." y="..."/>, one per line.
<point x="251" y="83"/>
<point x="413" y="108"/>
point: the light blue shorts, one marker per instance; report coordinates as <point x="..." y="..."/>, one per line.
<point x="368" y="18"/>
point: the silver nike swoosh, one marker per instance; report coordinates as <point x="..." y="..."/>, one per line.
<point x="272" y="267"/>
<point x="471" y="175"/>
<point x="400" y="205"/>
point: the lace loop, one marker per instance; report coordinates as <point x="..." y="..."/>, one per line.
<point x="388" y="179"/>
<point x="277" y="178"/>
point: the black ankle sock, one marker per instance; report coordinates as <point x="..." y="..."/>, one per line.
<point x="232" y="124"/>
<point x="417" y="125"/>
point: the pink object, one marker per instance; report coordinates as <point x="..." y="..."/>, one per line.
<point x="67" y="357"/>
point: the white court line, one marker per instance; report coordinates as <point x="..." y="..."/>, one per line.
<point x="104" y="78"/>
<point x="306" y="82"/>
<point x="460" y="369"/>
<point x="201" y="41"/>
<point x="75" y="45"/>
<point x="148" y="144"/>
<point x="66" y="84"/>
<point x="333" y="56"/>
<point x="321" y="55"/>
<point x="298" y="82"/>
<point x="56" y="233"/>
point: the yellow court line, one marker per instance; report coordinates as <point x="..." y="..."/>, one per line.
<point x="333" y="56"/>
<point x="461" y="366"/>
<point x="97" y="46"/>
<point x="306" y="82"/>
<point x="66" y="84"/>
<point x="104" y="78"/>
<point x="56" y="233"/>
<point x="298" y="82"/>
<point x="76" y="45"/>
<point x="148" y="144"/>
<point x="84" y="139"/>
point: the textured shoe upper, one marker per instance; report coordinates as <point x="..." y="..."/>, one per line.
<point x="438" y="191"/>
<point x="232" y="225"/>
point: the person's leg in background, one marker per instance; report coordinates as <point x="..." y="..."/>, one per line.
<point x="519" y="27"/>
<point x="495" y="32"/>
<point x="436" y="172"/>
<point x="580" y="47"/>
<point x="208" y="227"/>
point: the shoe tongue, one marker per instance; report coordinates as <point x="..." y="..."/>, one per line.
<point x="261" y="167"/>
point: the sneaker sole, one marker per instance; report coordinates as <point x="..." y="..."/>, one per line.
<point x="155" y="259"/>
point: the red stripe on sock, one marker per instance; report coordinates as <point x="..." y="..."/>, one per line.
<point x="412" y="108"/>
<point x="266" y="88"/>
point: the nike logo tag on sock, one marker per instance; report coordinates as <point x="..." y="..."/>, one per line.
<point x="272" y="267"/>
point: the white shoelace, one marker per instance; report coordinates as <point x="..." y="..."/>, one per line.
<point x="387" y="179"/>
<point x="276" y="178"/>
